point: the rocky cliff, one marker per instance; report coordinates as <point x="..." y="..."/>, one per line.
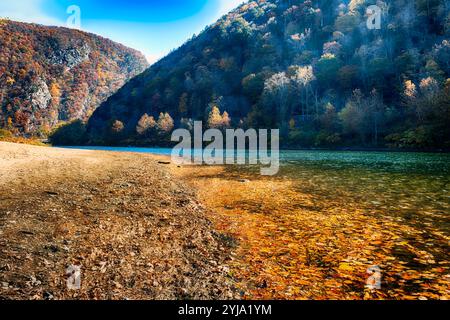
<point x="49" y="75"/>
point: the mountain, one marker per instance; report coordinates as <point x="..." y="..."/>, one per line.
<point x="52" y="74"/>
<point x="321" y="71"/>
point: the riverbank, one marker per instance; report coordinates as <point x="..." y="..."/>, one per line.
<point x="135" y="231"/>
<point x="7" y="137"/>
<point x="287" y="148"/>
<point x="133" y="221"/>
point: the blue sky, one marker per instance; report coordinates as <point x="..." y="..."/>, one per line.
<point x="152" y="26"/>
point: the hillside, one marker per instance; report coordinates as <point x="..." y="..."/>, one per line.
<point x="312" y="68"/>
<point x="50" y="74"/>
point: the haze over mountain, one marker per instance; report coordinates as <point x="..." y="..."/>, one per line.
<point x="53" y="74"/>
<point x="312" y="68"/>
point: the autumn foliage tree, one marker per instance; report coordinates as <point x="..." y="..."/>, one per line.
<point x="216" y="120"/>
<point x="165" y="123"/>
<point x="50" y="75"/>
<point x="282" y="64"/>
<point x="145" y="125"/>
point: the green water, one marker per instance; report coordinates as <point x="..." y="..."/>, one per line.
<point x="412" y="186"/>
<point x="410" y="190"/>
<point x="387" y="209"/>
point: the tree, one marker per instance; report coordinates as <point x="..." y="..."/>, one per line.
<point x="292" y="124"/>
<point x="332" y="47"/>
<point x="433" y="70"/>
<point x="226" y="120"/>
<point x="145" y="124"/>
<point x="353" y="117"/>
<point x="429" y="91"/>
<point x="218" y="121"/>
<point x="429" y="87"/>
<point x="183" y="104"/>
<point x="214" y="118"/>
<point x="441" y="52"/>
<point x="253" y="85"/>
<point x="326" y="70"/>
<point x="363" y="116"/>
<point x="69" y="134"/>
<point x="379" y="71"/>
<point x="410" y="97"/>
<point x="117" y="126"/>
<point x="5" y="134"/>
<point x="9" y="123"/>
<point x="329" y="119"/>
<point x="187" y="124"/>
<point x="303" y="78"/>
<point x="347" y="23"/>
<point x="55" y="91"/>
<point x="239" y="30"/>
<point x="165" y="123"/>
<point x="355" y="5"/>
<point x="277" y="90"/>
<point x="10" y="81"/>
<point x="375" y="113"/>
<point x="347" y="77"/>
<point x="410" y="91"/>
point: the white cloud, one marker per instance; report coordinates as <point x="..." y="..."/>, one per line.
<point x="27" y="11"/>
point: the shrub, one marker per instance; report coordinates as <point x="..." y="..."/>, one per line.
<point x="70" y="134"/>
<point x="5" y="134"/>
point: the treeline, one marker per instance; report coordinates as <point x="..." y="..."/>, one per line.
<point x="311" y="68"/>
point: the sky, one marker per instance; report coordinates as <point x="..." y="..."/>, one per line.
<point x="154" y="27"/>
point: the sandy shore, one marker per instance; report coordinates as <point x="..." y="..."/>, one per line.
<point x="135" y="231"/>
<point x="142" y="229"/>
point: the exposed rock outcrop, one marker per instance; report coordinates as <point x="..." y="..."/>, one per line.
<point x="40" y="97"/>
<point x="50" y="74"/>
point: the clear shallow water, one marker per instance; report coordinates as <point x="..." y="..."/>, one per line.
<point x="159" y="151"/>
<point x="431" y="163"/>
<point x="415" y="186"/>
<point x="385" y="208"/>
<point x="391" y="161"/>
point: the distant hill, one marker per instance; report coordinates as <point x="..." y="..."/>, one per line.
<point x="51" y="74"/>
<point x="312" y="68"/>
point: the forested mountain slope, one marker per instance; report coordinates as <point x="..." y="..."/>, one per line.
<point x="312" y="68"/>
<point x="50" y="74"/>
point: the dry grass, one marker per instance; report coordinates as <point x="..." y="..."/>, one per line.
<point x="21" y="140"/>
